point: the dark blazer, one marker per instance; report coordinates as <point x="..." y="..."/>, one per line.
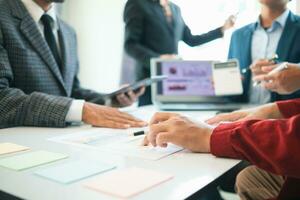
<point x="288" y="49"/>
<point x="33" y="91"/>
<point x="148" y="34"/>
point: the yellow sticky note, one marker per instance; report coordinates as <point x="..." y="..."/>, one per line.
<point x="6" y="148"/>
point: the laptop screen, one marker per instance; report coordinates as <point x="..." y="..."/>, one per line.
<point x="189" y="78"/>
<point x="195" y="81"/>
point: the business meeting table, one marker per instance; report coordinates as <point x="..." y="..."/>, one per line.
<point x="192" y="171"/>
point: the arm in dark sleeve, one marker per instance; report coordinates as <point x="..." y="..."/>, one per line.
<point x="88" y="95"/>
<point x="195" y="40"/>
<point x="273" y="145"/>
<point x="133" y="18"/>
<point x="20" y="109"/>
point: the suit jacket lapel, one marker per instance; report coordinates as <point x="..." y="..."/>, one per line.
<point x="247" y="55"/>
<point x="67" y="71"/>
<point x="175" y="17"/>
<point x="158" y="11"/>
<point x="247" y="37"/>
<point x="289" y="33"/>
<point x="30" y="30"/>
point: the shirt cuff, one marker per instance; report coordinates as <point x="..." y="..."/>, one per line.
<point x="289" y="108"/>
<point x="221" y="140"/>
<point x="74" y="114"/>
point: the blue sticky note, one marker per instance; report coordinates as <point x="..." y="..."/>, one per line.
<point x="74" y="171"/>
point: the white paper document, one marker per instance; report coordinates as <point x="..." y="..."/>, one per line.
<point x="135" y="149"/>
<point x="116" y="141"/>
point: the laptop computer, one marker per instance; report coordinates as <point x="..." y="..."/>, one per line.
<point x="191" y="86"/>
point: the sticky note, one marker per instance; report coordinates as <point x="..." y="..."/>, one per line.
<point x="6" y="148"/>
<point x="128" y="182"/>
<point x="29" y="160"/>
<point x="73" y="171"/>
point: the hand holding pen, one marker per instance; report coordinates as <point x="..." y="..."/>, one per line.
<point x="283" y="78"/>
<point x="273" y="59"/>
<point x="256" y="67"/>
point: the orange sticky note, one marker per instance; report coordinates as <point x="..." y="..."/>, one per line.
<point x="6" y="148"/>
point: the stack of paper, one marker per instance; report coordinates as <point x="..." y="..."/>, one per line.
<point x="127" y="182"/>
<point x="29" y="160"/>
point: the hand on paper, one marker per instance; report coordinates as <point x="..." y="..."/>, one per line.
<point x="103" y="116"/>
<point x="172" y="128"/>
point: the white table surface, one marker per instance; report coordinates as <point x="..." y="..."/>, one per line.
<point x="191" y="171"/>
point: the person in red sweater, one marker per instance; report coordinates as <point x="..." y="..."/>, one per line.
<point x="267" y="136"/>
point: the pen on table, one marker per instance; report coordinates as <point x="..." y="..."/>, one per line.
<point x="138" y="133"/>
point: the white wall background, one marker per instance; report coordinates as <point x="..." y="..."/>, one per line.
<point x="100" y="31"/>
<point x="99" y="27"/>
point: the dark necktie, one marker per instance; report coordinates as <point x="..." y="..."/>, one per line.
<point x="50" y="38"/>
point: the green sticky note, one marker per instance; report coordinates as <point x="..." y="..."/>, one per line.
<point x="29" y="160"/>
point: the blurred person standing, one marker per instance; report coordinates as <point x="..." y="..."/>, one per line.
<point x="153" y="29"/>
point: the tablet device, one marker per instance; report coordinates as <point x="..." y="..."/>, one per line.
<point x="135" y="86"/>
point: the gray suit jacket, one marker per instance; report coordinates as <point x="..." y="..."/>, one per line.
<point x="33" y="91"/>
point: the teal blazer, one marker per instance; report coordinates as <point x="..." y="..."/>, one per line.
<point x="288" y="49"/>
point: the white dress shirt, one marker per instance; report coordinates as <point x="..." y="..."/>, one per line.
<point x="75" y="112"/>
<point x="264" y="45"/>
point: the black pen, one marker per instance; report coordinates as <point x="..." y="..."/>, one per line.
<point x="138" y="133"/>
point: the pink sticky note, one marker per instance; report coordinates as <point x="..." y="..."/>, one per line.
<point x="128" y="182"/>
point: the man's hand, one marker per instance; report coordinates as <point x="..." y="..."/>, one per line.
<point x="256" y="67"/>
<point x="286" y="81"/>
<point x="229" y="23"/>
<point x="168" y="56"/>
<point x="103" y="116"/>
<point x="128" y="98"/>
<point x="172" y="128"/>
<point x="268" y="111"/>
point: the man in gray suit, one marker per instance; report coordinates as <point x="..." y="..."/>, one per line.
<point x="38" y="72"/>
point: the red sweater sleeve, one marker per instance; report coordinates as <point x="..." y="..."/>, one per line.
<point x="273" y="145"/>
<point x="289" y="108"/>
